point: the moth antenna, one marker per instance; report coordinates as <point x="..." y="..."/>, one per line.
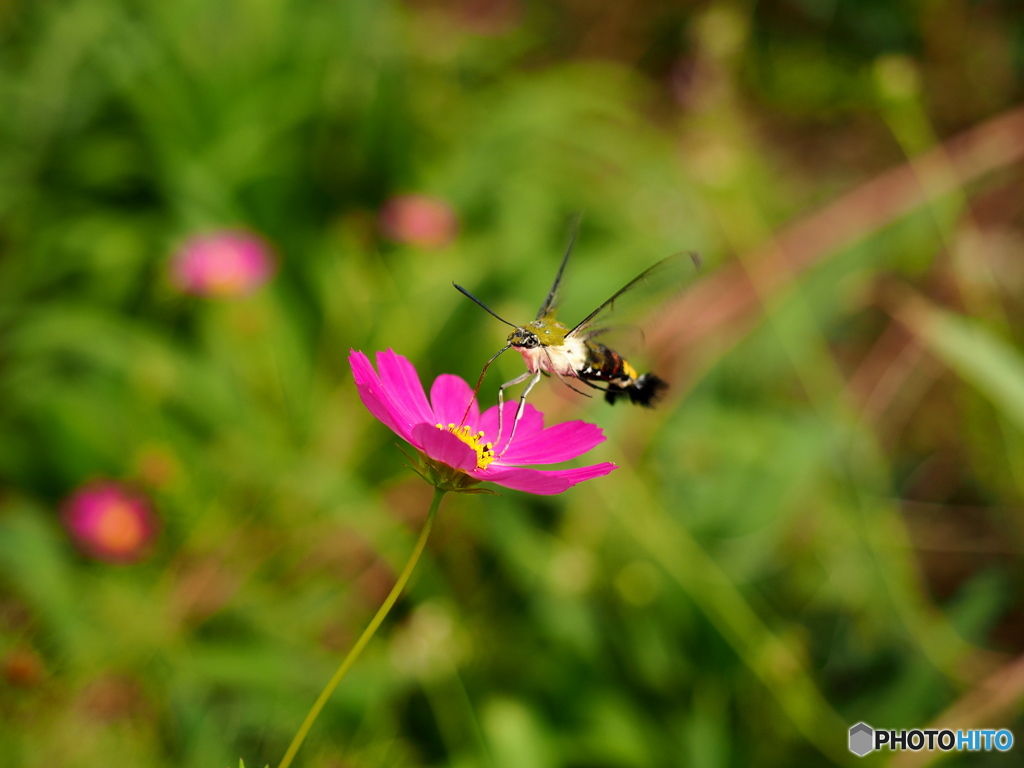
<point x="487" y="309"/>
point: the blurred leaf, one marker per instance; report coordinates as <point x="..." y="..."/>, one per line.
<point x="975" y="353"/>
<point x="515" y="736"/>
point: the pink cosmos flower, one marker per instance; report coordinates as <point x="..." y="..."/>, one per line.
<point x="426" y="222"/>
<point x="223" y="263"/>
<point x="456" y="453"/>
<point x="110" y="522"/>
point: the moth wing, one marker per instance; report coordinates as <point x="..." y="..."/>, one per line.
<point x="551" y="301"/>
<point x="632" y="304"/>
<point x="627" y="340"/>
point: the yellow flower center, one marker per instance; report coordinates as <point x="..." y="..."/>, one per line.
<point x="484" y="451"/>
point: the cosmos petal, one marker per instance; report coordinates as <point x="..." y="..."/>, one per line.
<point x="443" y="446"/>
<point x="539" y="481"/>
<point x="376" y="397"/>
<point x="396" y="397"/>
<point x="449" y="396"/>
<point x="555" y="444"/>
<point x="402" y="383"/>
<point x="531" y="423"/>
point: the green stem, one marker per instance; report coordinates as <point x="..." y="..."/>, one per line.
<point x="368" y="633"/>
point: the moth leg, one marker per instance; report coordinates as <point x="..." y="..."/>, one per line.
<point x="480" y="381"/>
<point x="553" y="369"/>
<point x="561" y="378"/>
<point x="501" y="400"/>
<point x="522" y="406"/>
<point x="593" y="386"/>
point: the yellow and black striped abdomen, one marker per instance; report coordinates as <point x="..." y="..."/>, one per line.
<point x="608" y="366"/>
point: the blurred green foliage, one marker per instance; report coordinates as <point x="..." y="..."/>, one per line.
<point x="822" y="524"/>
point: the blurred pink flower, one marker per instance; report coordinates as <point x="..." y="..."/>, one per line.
<point x="456" y="453"/>
<point x="229" y="262"/>
<point x="425" y="222"/>
<point x="110" y="522"/>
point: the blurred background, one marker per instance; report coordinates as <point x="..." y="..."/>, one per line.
<point x="205" y="204"/>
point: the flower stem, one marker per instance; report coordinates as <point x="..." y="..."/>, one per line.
<point x="368" y="633"/>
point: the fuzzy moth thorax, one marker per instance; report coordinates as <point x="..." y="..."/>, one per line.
<point x="544" y="333"/>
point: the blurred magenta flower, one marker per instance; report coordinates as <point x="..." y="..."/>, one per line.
<point x="456" y="454"/>
<point x="426" y="222"/>
<point x="229" y="262"/>
<point x="110" y="522"/>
